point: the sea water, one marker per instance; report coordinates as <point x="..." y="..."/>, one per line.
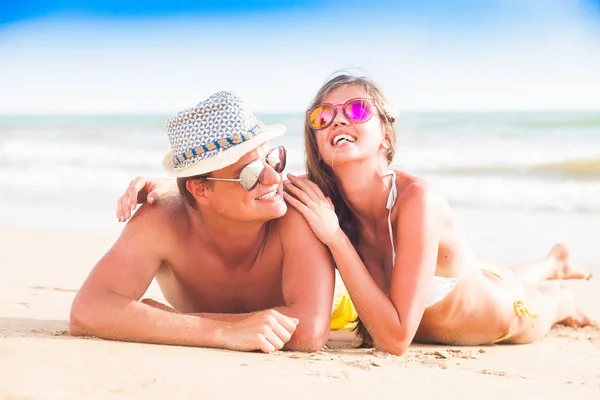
<point x="68" y="171"/>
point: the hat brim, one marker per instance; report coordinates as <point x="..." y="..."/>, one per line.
<point x="223" y="158"/>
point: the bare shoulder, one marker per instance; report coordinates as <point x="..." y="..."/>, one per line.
<point x="302" y="250"/>
<point x="293" y="227"/>
<point x="291" y="221"/>
<point x="163" y="219"/>
<point x="414" y="191"/>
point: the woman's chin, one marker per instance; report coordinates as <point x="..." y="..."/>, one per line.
<point x="345" y="154"/>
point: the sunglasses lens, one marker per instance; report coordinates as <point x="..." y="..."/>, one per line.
<point x="321" y="116"/>
<point x="250" y="174"/>
<point x="277" y="159"/>
<point x="358" y="110"/>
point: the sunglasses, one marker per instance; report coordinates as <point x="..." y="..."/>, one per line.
<point x="251" y="174"/>
<point x="357" y="110"/>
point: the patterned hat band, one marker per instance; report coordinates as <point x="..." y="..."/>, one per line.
<point x="211" y="148"/>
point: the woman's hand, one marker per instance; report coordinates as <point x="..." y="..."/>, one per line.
<point x="139" y="191"/>
<point x="317" y="209"/>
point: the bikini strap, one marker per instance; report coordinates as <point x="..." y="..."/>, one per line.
<point x="391" y="200"/>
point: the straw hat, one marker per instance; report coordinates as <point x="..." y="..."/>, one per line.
<point x="213" y="135"/>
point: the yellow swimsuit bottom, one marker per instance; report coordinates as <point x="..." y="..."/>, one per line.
<point x="520" y="309"/>
<point x="343" y="313"/>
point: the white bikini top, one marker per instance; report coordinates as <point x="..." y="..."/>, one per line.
<point x="441" y="285"/>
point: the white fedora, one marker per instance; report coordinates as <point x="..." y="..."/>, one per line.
<point x="213" y="135"/>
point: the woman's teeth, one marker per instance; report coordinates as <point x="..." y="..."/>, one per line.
<point x="341" y="138"/>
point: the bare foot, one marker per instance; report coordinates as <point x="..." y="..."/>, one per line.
<point x="579" y="319"/>
<point x="563" y="268"/>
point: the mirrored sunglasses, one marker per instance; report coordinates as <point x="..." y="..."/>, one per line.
<point x="252" y="173"/>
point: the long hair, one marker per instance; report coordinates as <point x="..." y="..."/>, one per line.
<point x="321" y="174"/>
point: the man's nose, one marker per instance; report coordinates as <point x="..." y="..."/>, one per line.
<point x="269" y="176"/>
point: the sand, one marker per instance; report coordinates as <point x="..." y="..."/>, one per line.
<point x="42" y="269"/>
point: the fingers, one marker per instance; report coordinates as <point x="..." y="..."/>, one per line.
<point x="278" y="331"/>
<point x="282" y="333"/>
<point x="152" y="196"/>
<point x="304" y="185"/>
<point x="315" y="188"/>
<point x="288" y="323"/>
<point x="330" y="203"/>
<point x="128" y="202"/>
<point x="304" y="182"/>
<point x="120" y="214"/>
<point x="272" y="341"/>
<point x="300" y="194"/>
<point x="134" y="188"/>
<point x="297" y="204"/>
<point x="266" y="346"/>
<point x="123" y="210"/>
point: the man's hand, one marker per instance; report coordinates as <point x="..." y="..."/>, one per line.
<point x="266" y="331"/>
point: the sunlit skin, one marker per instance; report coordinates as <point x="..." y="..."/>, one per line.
<point x="239" y="272"/>
<point x="231" y="204"/>
<point x="391" y="295"/>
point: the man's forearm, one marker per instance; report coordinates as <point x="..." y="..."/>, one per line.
<point x="115" y="317"/>
<point x="213" y="316"/>
<point x="222" y="317"/>
<point x="307" y="336"/>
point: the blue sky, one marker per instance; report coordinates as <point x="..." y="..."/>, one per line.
<point x="147" y="57"/>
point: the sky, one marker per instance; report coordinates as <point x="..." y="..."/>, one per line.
<point x="63" y="57"/>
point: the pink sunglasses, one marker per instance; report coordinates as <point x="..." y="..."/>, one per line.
<point x="357" y="110"/>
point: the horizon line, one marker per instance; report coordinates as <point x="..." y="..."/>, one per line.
<point x="407" y="111"/>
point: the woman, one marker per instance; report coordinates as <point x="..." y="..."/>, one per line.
<point x="410" y="272"/>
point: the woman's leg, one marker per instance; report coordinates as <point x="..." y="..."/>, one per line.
<point x="552" y="303"/>
<point x="555" y="265"/>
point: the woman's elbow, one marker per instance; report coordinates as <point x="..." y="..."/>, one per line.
<point x="81" y="318"/>
<point x="394" y="346"/>
<point x="396" y="350"/>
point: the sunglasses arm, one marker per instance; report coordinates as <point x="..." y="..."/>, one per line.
<point x="224" y="179"/>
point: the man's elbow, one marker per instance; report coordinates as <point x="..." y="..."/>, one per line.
<point x="311" y="336"/>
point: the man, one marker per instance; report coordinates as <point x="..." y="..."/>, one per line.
<point x="241" y="270"/>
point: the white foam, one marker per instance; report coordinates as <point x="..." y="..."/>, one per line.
<point x="519" y="193"/>
<point x="45" y="152"/>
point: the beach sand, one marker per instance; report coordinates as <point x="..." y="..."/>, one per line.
<point x="41" y="271"/>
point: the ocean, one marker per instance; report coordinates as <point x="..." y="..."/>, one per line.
<point x="66" y="172"/>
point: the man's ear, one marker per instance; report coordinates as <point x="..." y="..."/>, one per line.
<point x="197" y="189"/>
